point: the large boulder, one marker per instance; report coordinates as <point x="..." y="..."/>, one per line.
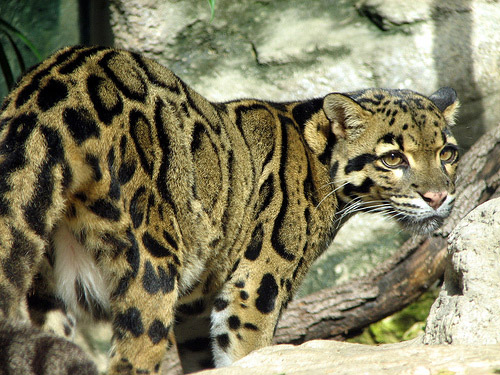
<point x="467" y="310"/>
<point x="320" y="357"/>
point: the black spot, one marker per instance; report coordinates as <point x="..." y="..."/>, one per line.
<point x="125" y="172"/>
<point x="20" y="129"/>
<point x="93" y="162"/>
<point x="194" y="308"/>
<point x="82" y="197"/>
<point x="164" y="142"/>
<point x="303" y="111"/>
<point x="55" y="149"/>
<point x="359" y="162"/>
<point x="79" y="60"/>
<point x="105" y="209"/>
<point x="36" y="209"/>
<point x="157" y="331"/>
<point x="133" y="254"/>
<point x="325" y="156"/>
<point x="170" y="239"/>
<point x="67" y="176"/>
<point x="114" y="185"/>
<point x="239" y="284"/>
<point x="80" y="124"/>
<point x="153" y="282"/>
<point x="250" y="326"/>
<point x="234" y="322"/>
<point x="98" y="86"/>
<point x="334" y="169"/>
<point x="399" y="141"/>
<point x="266" y="193"/>
<point x="309" y="190"/>
<point x="155" y="248"/>
<point x="220" y="304"/>
<point x="267" y="294"/>
<point x="405" y="126"/>
<point x="136" y="209"/>
<point x="198" y="132"/>
<point x="52" y="93"/>
<point x="31" y="87"/>
<point x="387" y="138"/>
<point x="351" y="190"/>
<point x="123" y="285"/>
<point x="131" y="321"/>
<point x="255" y="246"/>
<point x="223" y="341"/>
<point x="276" y="239"/>
<point x="20" y="260"/>
<point x="244" y="295"/>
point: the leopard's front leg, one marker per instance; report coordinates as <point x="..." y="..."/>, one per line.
<point x="143" y="311"/>
<point x="246" y="312"/>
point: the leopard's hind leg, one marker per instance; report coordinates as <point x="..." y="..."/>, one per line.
<point x="34" y="175"/>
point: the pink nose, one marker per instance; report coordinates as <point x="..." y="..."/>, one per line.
<point x="433" y="199"/>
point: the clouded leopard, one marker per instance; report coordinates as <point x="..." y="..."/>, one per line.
<point x="125" y="195"/>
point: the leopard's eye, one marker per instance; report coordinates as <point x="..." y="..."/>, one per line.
<point x="448" y="154"/>
<point x="393" y="159"/>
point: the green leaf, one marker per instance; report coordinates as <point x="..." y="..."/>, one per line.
<point x="6" y="70"/>
<point x="8" y="28"/>
<point x="211" y="3"/>
<point x="19" y="56"/>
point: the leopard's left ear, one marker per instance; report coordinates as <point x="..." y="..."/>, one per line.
<point x="447" y="101"/>
<point x="347" y="118"/>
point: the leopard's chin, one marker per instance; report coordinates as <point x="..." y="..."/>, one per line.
<point x="421" y="226"/>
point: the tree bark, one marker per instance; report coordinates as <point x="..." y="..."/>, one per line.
<point x="340" y="312"/>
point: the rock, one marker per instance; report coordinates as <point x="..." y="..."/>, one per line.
<point x="340" y="358"/>
<point x="467" y="310"/>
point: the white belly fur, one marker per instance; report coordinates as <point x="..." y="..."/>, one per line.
<point x="73" y="262"/>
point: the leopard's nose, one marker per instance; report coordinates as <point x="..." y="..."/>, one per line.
<point x="434" y="199"/>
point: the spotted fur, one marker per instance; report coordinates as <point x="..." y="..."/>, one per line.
<point x="126" y="196"/>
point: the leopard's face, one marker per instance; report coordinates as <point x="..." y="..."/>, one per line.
<point x="399" y="158"/>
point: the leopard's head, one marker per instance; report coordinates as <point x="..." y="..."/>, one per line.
<point x="395" y="154"/>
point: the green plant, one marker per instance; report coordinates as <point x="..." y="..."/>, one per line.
<point x="10" y="33"/>
<point x="211" y="3"/>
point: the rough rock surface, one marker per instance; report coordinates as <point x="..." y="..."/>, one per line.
<point x="467" y="310"/>
<point x="329" y="357"/>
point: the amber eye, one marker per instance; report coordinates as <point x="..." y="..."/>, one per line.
<point x="448" y="155"/>
<point x="393" y="159"/>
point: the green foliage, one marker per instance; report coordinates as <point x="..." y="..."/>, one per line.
<point x="404" y="325"/>
<point x="11" y="34"/>
<point x="211" y="3"/>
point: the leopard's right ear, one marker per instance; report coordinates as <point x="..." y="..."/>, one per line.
<point x="447" y="101"/>
<point x="347" y="118"/>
